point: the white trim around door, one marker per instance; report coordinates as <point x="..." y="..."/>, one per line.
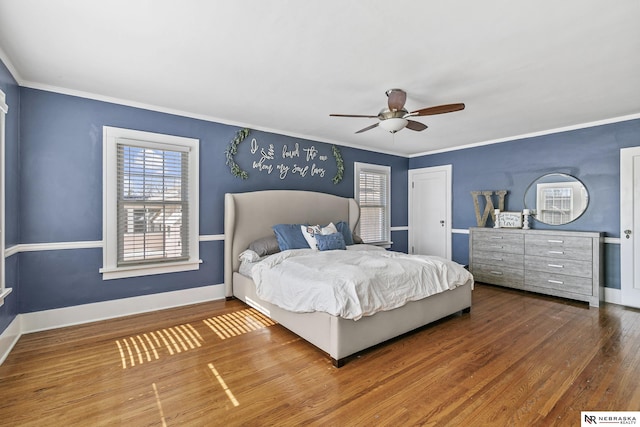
<point x="441" y="209"/>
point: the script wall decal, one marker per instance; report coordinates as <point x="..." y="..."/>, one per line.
<point x="307" y="160"/>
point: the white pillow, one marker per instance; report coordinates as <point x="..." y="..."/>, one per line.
<point x="309" y="232"/>
<point x="329" y="229"/>
<point x="249" y="256"/>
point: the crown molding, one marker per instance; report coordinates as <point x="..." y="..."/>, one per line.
<point x="534" y="134"/>
<point x="12" y="70"/>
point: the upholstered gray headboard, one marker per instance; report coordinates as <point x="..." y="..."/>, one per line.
<point x="250" y="216"/>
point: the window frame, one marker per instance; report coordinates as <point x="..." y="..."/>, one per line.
<point x="383" y="170"/>
<point x="112" y="136"/>
<point x="4" y="109"/>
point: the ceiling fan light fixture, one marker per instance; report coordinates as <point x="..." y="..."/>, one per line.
<point x="393" y="124"/>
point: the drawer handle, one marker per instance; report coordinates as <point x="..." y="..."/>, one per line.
<point x="499" y="273"/>
<point x="557" y="282"/>
<point x="555" y="265"/>
<point x="497" y="247"/>
<point x="556" y="252"/>
<point x="496" y="237"/>
<point x="497" y="259"/>
<point x="555" y="241"/>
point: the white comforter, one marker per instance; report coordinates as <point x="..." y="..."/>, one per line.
<point x="353" y="283"/>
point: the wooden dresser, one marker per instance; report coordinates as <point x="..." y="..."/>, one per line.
<point x="562" y="263"/>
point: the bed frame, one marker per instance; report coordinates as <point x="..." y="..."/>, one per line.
<point x="250" y="216"/>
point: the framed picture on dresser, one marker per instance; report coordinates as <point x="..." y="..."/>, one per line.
<point x="510" y="220"/>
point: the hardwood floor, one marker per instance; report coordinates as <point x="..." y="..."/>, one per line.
<point x="517" y="359"/>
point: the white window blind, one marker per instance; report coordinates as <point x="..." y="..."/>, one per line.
<point x="150" y="203"/>
<point x="373" y="195"/>
<point x="153" y="205"/>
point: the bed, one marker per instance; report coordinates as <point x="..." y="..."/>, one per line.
<point x="250" y="216"/>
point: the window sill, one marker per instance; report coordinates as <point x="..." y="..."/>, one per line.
<point x="385" y="245"/>
<point x="109" y="273"/>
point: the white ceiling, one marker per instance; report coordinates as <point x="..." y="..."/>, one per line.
<point x="282" y="65"/>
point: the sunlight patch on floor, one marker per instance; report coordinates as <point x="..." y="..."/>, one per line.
<point x="141" y="348"/>
<point x="238" y="323"/>
<point x="230" y="395"/>
<point x="162" y="418"/>
<point x="146" y="347"/>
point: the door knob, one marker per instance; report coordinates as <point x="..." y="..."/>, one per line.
<point x="627" y="234"/>
<point x="442" y="222"/>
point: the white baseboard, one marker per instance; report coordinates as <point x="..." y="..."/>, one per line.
<point x="79" y="314"/>
<point x="86" y="313"/>
<point x="613" y="296"/>
<point x="9" y="338"/>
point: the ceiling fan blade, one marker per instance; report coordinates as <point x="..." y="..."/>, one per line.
<point x="417" y="126"/>
<point x="353" y="115"/>
<point x="397" y="98"/>
<point x="368" y="128"/>
<point x="440" y="109"/>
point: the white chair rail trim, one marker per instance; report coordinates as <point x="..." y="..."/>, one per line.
<point x="89" y="244"/>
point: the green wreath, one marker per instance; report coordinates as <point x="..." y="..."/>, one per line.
<point x="339" y="164"/>
<point x="232" y="150"/>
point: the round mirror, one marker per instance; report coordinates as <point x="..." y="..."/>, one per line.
<point x="556" y="198"/>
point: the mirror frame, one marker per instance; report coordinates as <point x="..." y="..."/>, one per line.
<point x="535" y="182"/>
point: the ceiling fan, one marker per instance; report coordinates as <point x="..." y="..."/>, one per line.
<point x="396" y="117"/>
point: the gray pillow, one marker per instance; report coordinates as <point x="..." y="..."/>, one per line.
<point x="265" y="246"/>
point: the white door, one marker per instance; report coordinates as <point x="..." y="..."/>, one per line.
<point x="629" y="218"/>
<point x="430" y="211"/>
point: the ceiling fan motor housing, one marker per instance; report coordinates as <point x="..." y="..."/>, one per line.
<point x="393" y="121"/>
<point x="385" y="114"/>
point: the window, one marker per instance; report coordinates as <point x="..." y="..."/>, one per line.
<point x="150" y="203"/>
<point x="556" y="205"/>
<point x="373" y="193"/>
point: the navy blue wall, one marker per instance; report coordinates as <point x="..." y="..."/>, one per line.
<point x="12" y="193"/>
<point x="54" y="189"/>
<point x="61" y="194"/>
<point x="590" y="154"/>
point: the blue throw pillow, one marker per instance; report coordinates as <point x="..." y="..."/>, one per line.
<point x="330" y="242"/>
<point x="290" y="236"/>
<point x="343" y="228"/>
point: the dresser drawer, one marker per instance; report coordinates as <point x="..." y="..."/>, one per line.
<point x="559" y="247"/>
<point x="489" y="236"/>
<point x="498" y="242"/>
<point x="498" y="259"/>
<point x="498" y="247"/>
<point x="497" y="275"/>
<point x="568" y="267"/>
<point x="558" y="282"/>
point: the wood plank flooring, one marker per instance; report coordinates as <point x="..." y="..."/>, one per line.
<point x="517" y="359"/>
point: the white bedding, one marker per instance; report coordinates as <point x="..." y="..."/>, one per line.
<point x="353" y="283"/>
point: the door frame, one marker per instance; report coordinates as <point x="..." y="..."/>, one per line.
<point x="4" y="109"/>
<point x="448" y="170"/>
<point x="627" y="268"/>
